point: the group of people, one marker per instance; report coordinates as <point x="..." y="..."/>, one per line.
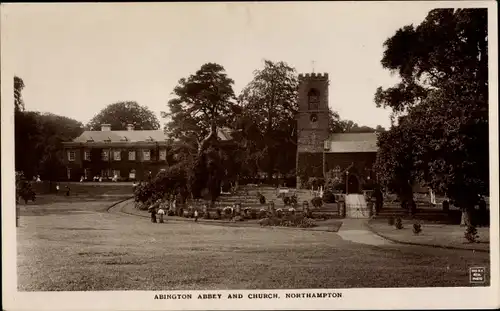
<point x="158" y="210"/>
<point x="99" y="178"/>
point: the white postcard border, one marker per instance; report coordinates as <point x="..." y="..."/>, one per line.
<point x="365" y="298"/>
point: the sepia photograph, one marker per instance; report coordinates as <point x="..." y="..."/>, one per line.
<point x="249" y="155"/>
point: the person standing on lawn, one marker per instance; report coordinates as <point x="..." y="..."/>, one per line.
<point x="153" y="211"/>
<point x="161" y="212"/>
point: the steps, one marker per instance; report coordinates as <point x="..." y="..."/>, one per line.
<point x="356" y="206"/>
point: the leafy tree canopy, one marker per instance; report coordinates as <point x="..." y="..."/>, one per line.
<point x="443" y="95"/>
<point x="203" y="103"/>
<point x="269" y="105"/>
<point x="120" y="114"/>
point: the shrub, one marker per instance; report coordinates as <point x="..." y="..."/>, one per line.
<point x="170" y="213"/>
<point x="262" y="199"/>
<point x="471" y="234"/>
<point x="417" y="228"/>
<point x="398" y="223"/>
<point x="317" y="202"/>
<point x="391" y="221"/>
<point x="218" y="213"/>
<point x="253" y="214"/>
<point x="290" y="221"/>
<point x="265" y="222"/>
<point x="180" y="212"/>
<point x="446" y="206"/>
<point x="329" y="196"/>
<point x="286" y="200"/>
<point x="238" y="218"/>
<point x="279" y="213"/>
<point x="206" y="215"/>
<point x="306" y="223"/>
<point x="293" y="199"/>
<point x="262" y="213"/>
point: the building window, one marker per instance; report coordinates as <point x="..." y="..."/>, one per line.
<point x="131" y="155"/>
<point x="146" y="155"/>
<point x="71" y="156"/>
<point x="117" y="155"/>
<point x="68" y="172"/>
<point x="116" y="173"/>
<point x="131" y="175"/>
<point x="163" y="154"/>
<point x="105" y="155"/>
<point x="313" y="99"/>
<point x="86" y="155"/>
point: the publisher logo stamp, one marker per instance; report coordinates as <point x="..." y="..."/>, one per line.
<point x="477" y="274"/>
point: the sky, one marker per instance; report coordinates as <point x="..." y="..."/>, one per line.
<point x="75" y="59"/>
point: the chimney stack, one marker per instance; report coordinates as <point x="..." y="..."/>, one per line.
<point x="130" y="127"/>
<point x="105" y="127"/>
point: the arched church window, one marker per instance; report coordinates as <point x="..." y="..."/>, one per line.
<point x="313" y="99"/>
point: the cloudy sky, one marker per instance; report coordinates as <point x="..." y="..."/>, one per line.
<point x="77" y="58"/>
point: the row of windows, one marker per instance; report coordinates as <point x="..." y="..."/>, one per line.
<point x="117" y="155"/>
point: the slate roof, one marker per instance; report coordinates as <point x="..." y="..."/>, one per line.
<point x="133" y="136"/>
<point x="120" y="136"/>
<point x="351" y="143"/>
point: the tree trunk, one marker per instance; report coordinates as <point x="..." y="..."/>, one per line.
<point x="466" y="217"/>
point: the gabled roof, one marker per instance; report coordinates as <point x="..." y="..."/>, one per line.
<point x="351" y="143"/>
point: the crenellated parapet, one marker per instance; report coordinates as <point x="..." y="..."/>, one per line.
<point x="313" y="76"/>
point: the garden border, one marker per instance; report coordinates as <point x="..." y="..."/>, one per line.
<point x="214" y="222"/>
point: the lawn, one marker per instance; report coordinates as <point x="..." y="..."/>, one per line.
<point x="83" y="248"/>
<point x="432" y="234"/>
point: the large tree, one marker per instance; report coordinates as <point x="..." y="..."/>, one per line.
<point x="443" y="65"/>
<point x="203" y="106"/>
<point x="203" y="103"/>
<point x="120" y="114"/>
<point x="395" y="162"/>
<point x="38" y="143"/>
<point x="269" y="105"/>
<point x="337" y="125"/>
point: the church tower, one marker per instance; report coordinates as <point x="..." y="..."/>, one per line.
<point x="312" y="125"/>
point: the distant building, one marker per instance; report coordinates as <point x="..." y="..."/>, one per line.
<point x="319" y="151"/>
<point x="128" y="155"/>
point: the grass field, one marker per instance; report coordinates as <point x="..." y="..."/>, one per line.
<point x="433" y="234"/>
<point x="79" y="247"/>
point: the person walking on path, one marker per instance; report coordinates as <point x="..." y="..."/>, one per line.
<point x="195" y="215"/>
